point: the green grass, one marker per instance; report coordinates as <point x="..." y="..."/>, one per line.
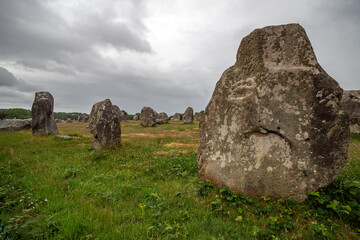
<point x="148" y="188"/>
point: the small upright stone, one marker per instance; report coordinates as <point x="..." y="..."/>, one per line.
<point x="79" y="118"/>
<point x="85" y="119"/>
<point x="197" y="116"/>
<point x="351" y="104"/>
<point x="124" y="116"/>
<point x="176" y="117"/>
<point x="68" y="120"/>
<point x="42" y="111"/>
<point x="188" y="116"/>
<point x="162" y="118"/>
<point x="148" y="117"/>
<point x="105" y="124"/>
<point x="136" y="118"/>
<point x="274" y="125"/>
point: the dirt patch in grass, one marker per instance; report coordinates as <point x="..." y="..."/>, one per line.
<point x="147" y="135"/>
<point x="172" y="152"/>
<point x="178" y="144"/>
<point x="162" y="135"/>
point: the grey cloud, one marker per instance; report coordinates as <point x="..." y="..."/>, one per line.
<point x="7" y="78"/>
<point x="30" y="31"/>
<point x="69" y="58"/>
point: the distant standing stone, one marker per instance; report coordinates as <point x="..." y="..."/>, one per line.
<point x="86" y="119"/>
<point x="43" y="121"/>
<point x="197" y="116"/>
<point x="162" y="118"/>
<point x="105" y="125"/>
<point x="148" y="117"/>
<point x="79" y="119"/>
<point x="176" y="117"/>
<point x="68" y="120"/>
<point x="124" y="116"/>
<point x="188" y="116"/>
<point x="136" y="118"/>
<point x="274" y="125"/>
<point x="351" y="104"/>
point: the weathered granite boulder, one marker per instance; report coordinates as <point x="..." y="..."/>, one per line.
<point x="198" y="116"/>
<point x="162" y="118"/>
<point x="85" y="119"/>
<point x="105" y="124"/>
<point x="123" y="116"/>
<point x="42" y="111"/>
<point x="136" y="118"/>
<point x="68" y="120"/>
<point x="65" y="137"/>
<point x="58" y="120"/>
<point x="14" y="124"/>
<point x="176" y="117"/>
<point x="274" y="125"/>
<point x="148" y="117"/>
<point x="188" y="116"/>
<point x="351" y="104"/>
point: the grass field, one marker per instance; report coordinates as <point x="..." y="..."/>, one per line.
<point x="148" y="188"/>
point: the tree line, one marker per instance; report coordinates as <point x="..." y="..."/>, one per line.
<point x="21" y="113"/>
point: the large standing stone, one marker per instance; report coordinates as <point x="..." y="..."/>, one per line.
<point x="351" y="104"/>
<point x="274" y="125"/>
<point x="176" y="117"/>
<point x="14" y="124"/>
<point x="42" y="111"/>
<point x="188" y="116"/>
<point x="162" y="118"/>
<point x="105" y="124"/>
<point x="148" y="117"/>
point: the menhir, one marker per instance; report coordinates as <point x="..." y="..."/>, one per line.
<point x="42" y="112"/>
<point x="274" y="125"/>
<point x="104" y="124"/>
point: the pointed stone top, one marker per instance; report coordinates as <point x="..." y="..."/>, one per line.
<point x="276" y="48"/>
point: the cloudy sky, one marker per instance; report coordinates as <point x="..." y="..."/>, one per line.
<point x="159" y="53"/>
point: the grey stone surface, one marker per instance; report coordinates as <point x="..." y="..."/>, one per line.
<point x="198" y="116"/>
<point x="176" y="117"/>
<point x="148" y="117"/>
<point x="351" y="104"/>
<point x="188" y="116"/>
<point x="42" y="111"/>
<point x="162" y="118"/>
<point x="105" y="124"/>
<point x="274" y="125"/>
<point x="65" y="137"/>
<point x="136" y="118"/>
<point x="124" y="116"/>
<point x="69" y="120"/>
<point x="14" y="124"/>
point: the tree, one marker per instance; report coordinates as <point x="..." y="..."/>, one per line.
<point x="18" y="113"/>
